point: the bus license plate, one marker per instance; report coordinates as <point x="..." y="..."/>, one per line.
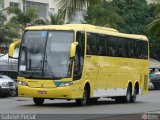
<point x="42" y="92"/>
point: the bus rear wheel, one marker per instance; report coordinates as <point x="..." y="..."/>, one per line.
<point x="38" y="101"/>
<point x="127" y="98"/>
<point x="134" y="96"/>
<point x="84" y="100"/>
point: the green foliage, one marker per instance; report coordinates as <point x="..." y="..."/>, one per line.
<point x="2" y="17"/>
<point x="54" y="19"/>
<point x="20" y="17"/>
<point x="154" y="29"/>
<point x="129" y="16"/>
<point x="8" y="31"/>
<point x="136" y="14"/>
<point x="154" y="26"/>
<point x="103" y="14"/>
<point x="13" y="27"/>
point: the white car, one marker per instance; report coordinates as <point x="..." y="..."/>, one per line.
<point x="1" y="55"/>
<point x="150" y="86"/>
<point x="7" y="86"/>
<point x="156" y="81"/>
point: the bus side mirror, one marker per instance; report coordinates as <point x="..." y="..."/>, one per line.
<point x="12" y="48"/>
<point x="73" y="49"/>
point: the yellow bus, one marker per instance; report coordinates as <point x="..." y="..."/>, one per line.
<point x="81" y="62"/>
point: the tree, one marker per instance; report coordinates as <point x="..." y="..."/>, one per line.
<point x="20" y="17"/>
<point x="7" y="30"/>
<point x="54" y="19"/>
<point x="135" y="13"/>
<point x="103" y="14"/>
<point x="153" y="30"/>
<point x="154" y="26"/>
<point x="68" y="8"/>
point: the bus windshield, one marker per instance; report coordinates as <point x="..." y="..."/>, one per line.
<point x="46" y="54"/>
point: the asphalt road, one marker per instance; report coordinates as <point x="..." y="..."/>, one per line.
<point x="149" y="104"/>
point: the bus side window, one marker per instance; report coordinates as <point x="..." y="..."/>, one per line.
<point x="88" y="50"/>
<point x="101" y="45"/>
<point x="92" y="44"/>
<point x="144" y="50"/>
<point x="111" y="46"/>
<point x="130" y="48"/>
<point x="121" y="51"/>
<point x="100" y="52"/>
<point x="110" y="51"/>
<point x="125" y="47"/>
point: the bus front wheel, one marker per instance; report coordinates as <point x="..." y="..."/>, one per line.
<point x="38" y="101"/>
<point x="84" y="100"/>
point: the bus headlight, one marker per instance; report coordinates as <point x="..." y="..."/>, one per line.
<point x="23" y="83"/>
<point x="63" y="84"/>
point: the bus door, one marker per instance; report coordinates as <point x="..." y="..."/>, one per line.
<point x="79" y="61"/>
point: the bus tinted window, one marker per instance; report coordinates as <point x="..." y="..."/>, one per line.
<point x="112" y="48"/>
<point x="92" y="44"/>
<point x="143" y="50"/>
<point x="105" y="45"/>
<point x="120" y="47"/>
<point x="101" y="45"/>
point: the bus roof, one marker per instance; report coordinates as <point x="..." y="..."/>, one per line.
<point x="88" y="28"/>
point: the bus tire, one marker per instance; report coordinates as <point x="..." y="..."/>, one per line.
<point x="38" y="101"/>
<point x="127" y="98"/>
<point x="134" y="96"/>
<point x="84" y="100"/>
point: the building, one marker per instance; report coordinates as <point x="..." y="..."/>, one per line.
<point x="43" y="6"/>
<point x="152" y="1"/>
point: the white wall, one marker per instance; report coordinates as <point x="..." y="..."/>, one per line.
<point x="151" y="1"/>
<point x="7" y="2"/>
<point x="52" y="6"/>
<point x="40" y="1"/>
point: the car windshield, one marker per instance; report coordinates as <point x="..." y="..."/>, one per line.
<point x="3" y="77"/>
<point x="46" y="54"/>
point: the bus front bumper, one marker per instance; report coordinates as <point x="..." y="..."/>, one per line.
<point x="50" y="93"/>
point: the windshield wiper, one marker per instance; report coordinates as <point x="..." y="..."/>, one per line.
<point x="50" y="69"/>
<point x="39" y="65"/>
